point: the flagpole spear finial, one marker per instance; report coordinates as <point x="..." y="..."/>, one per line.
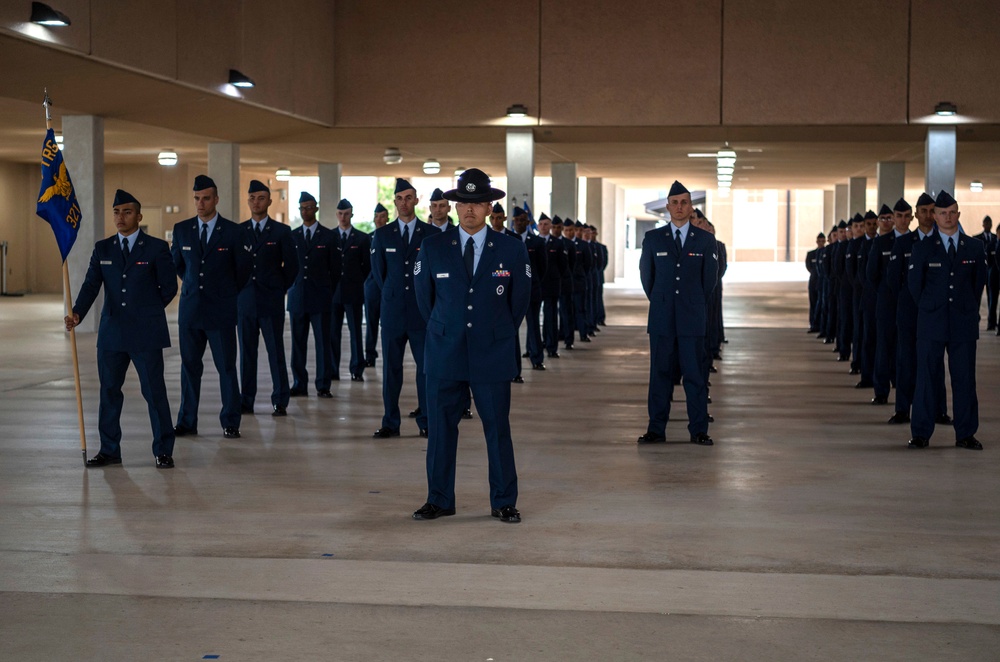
<point x="47" y="103"/>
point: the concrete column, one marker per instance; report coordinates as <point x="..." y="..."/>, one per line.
<point x="618" y="254"/>
<point x="602" y="213"/>
<point x="840" y="205"/>
<point x="329" y="195"/>
<point x="891" y="181"/>
<point x="856" y="195"/>
<point x="829" y="211"/>
<point x="565" y="190"/>
<point x="521" y="169"/>
<point x="83" y="152"/>
<point x="939" y="157"/>
<point x="224" y="168"/>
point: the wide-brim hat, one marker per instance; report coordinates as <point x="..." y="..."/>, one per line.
<point x="474" y="186"/>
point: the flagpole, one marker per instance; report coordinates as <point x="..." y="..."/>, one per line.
<point x="68" y="305"/>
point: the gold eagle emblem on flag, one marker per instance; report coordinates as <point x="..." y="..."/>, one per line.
<point x="60" y="186"/>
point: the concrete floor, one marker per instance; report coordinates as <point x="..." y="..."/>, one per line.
<point x="808" y="532"/>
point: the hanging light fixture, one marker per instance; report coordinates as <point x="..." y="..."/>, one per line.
<point x="725" y="160"/>
<point x="42" y="14"/>
<point x="167" y="157"/>
<point x="976" y="186"/>
<point x="239" y="79"/>
<point x="945" y="109"/>
<point x="459" y="171"/>
<point x="392" y="156"/>
<point x="432" y="167"/>
<point x="517" y="110"/>
<point x="282" y="174"/>
<point x="59" y="140"/>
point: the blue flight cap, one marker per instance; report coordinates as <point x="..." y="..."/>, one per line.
<point x="821" y="236"/>
<point x="403" y="185"/>
<point x="902" y="205"/>
<point x="944" y="200"/>
<point x="677" y="189"/>
<point x="344" y="204"/>
<point x="519" y="212"/>
<point x="543" y="217"/>
<point x="438" y="194"/>
<point x="202" y="182"/>
<point x="257" y="186"/>
<point x="869" y="214"/>
<point x="306" y="197"/>
<point x="379" y="208"/>
<point x="842" y="225"/>
<point x="925" y="199"/>
<point x="498" y="208"/>
<point x="124" y="198"/>
<point x="858" y="218"/>
<point x="884" y="211"/>
<point x="556" y="220"/>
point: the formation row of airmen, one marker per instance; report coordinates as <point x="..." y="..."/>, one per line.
<point x="234" y="281"/>
<point x="893" y="302"/>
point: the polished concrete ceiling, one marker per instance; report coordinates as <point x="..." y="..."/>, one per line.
<point x="148" y="115"/>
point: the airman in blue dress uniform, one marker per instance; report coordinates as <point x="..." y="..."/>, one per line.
<point x="310" y="299"/>
<point x="373" y="297"/>
<point x="989" y="240"/>
<point x="537" y="257"/>
<point x="679" y="270"/>
<point x="349" y="297"/>
<point x="557" y="263"/>
<point x="139" y="280"/>
<point x="946" y="276"/>
<point x="812" y="266"/>
<point x="473" y="288"/>
<point x="214" y="262"/>
<point x="261" y="302"/>
<point x="395" y="249"/>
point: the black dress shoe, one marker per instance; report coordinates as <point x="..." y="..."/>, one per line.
<point x="385" y="433"/>
<point x="812" y="330"/>
<point x="711" y="419"/>
<point x="231" y="433"/>
<point x="841" y="359"/>
<point x="709" y="399"/>
<point x="569" y="345"/>
<point x="855" y="371"/>
<point x="828" y="341"/>
<point x="430" y="511"/>
<point x="507" y="514"/>
<point x="585" y="339"/>
<point x="279" y="411"/>
<point x="518" y="380"/>
<point x="357" y="378"/>
<point x="969" y="442"/>
<point x="246" y="411"/>
<point x="102" y="460"/>
<point x="943" y="419"/>
<point x="538" y="366"/>
<point x="918" y="442"/>
<point x="864" y="383"/>
<point x="991" y="327"/>
<point x="554" y="355"/>
<point x="467" y="414"/>
<point x="880" y="400"/>
<point x="702" y="439"/>
<point x="298" y="392"/>
<point x="651" y="438"/>
<point x="423" y="432"/>
<point x="899" y="418"/>
<point x="416" y="412"/>
<point x="370" y="363"/>
<point x="184" y="431"/>
<point x="164" y="462"/>
<point x="717" y="356"/>
<point x="325" y="393"/>
<point x="526" y="355"/>
<point x="712" y="369"/>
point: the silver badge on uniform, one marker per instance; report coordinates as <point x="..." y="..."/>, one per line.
<point x="499" y="289"/>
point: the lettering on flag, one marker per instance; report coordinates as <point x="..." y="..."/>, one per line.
<point x="57" y="203"/>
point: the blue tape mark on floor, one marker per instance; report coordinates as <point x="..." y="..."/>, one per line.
<point x="210" y="657"/>
<point x="328" y="555"/>
<point x="374" y="492"/>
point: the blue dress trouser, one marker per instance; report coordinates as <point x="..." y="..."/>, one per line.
<point x="111" y="368"/>
<point x="665" y="352"/>
<point x="393" y="348"/>
<point x="930" y="373"/>
<point x="273" y="329"/>
<point x="320" y="323"/>
<point x="223" y="344"/>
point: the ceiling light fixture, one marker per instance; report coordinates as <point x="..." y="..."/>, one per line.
<point x="702" y="155"/>
<point x="59" y="139"/>
<point x="459" y="171"/>
<point x="42" y="14"/>
<point x="167" y="157"/>
<point x="976" y="186"/>
<point x="432" y="167"/>
<point x="239" y="79"/>
<point x="945" y="109"/>
<point x="282" y="174"/>
<point x="517" y="110"/>
<point x="725" y="160"/>
<point x="392" y="156"/>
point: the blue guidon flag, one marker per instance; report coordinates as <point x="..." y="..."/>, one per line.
<point x="57" y="203"/>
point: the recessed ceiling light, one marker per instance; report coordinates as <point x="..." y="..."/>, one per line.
<point x="517" y="110"/>
<point x="976" y="186"/>
<point x="59" y="139"/>
<point x="432" y="167"/>
<point x="239" y="79"/>
<point x="945" y="109"/>
<point x="282" y="174"/>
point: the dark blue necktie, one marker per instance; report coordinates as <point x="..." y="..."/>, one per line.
<point x="125" y="250"/>
<point x="406" y="235"/>
<point x="470" y="256"/>
<point x="677" y="241"/>
<point x="309" y="235"/>
<point x="204" y="236"/>
<point x="951" y="247"/>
